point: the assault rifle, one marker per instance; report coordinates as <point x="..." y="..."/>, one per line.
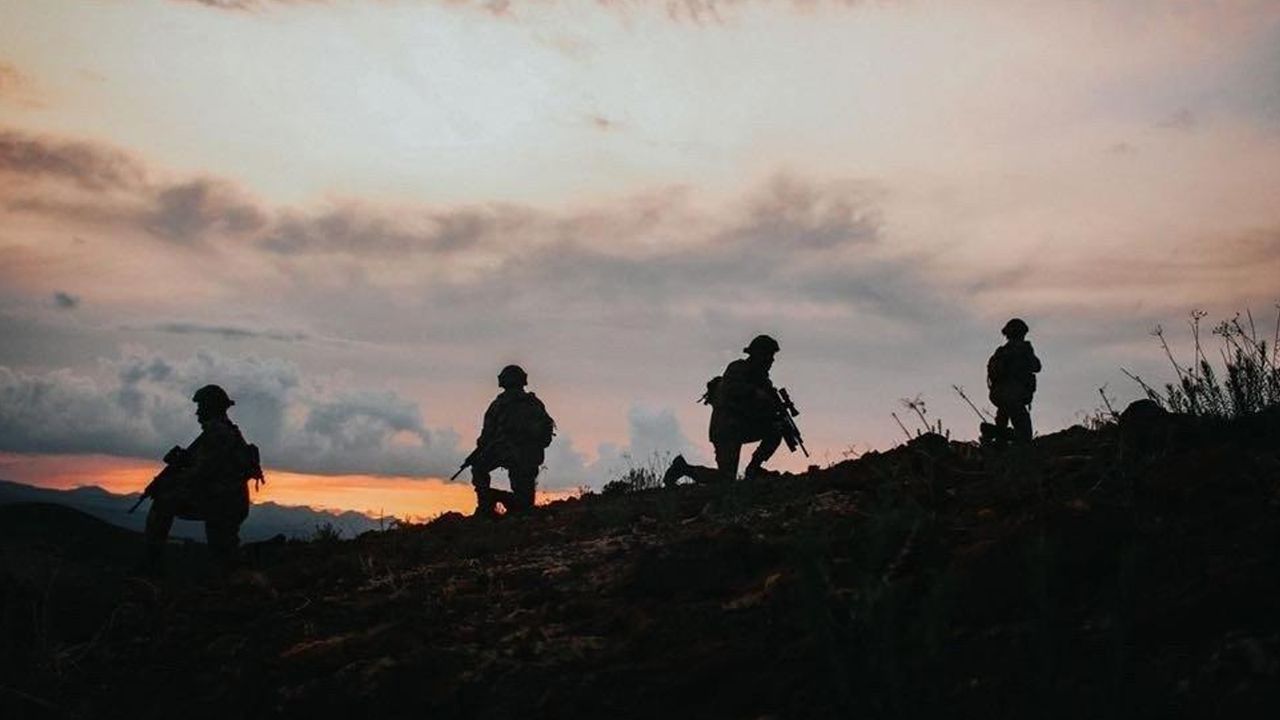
<point x="479" y="452"/>
<point x="465" y="464"/>
<point x="787" y="413"/>
<point x="174" y="461"/>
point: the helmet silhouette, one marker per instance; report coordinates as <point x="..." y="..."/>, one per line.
<point x="761" y="344"/>
<point x="213" y="395"/>
<point x="513" y="376"/>
<point x="1015" y="328"/>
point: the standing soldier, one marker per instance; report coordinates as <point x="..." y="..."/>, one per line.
<point x="207" y="480"/>
<point x="515" y="436"/>
<point x="1011" y="377"/>
<point x="744" y="408"/>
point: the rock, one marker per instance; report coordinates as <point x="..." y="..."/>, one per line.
<point x="1145" y="427"/>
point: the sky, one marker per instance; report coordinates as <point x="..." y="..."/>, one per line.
<point x="352" y="213"/>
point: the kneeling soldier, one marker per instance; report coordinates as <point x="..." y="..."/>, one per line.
<point x="207" y="480"/>
<point x="744" y="408"/>
<point x="515" y="436"/>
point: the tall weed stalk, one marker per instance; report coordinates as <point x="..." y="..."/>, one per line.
<point x="1248" y="383"/>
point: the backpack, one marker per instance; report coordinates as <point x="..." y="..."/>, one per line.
<point x="544" y="427"/>
<point x="250" y="461"/>
<point x="997" y="366"/>
<point x="530" y="421"/>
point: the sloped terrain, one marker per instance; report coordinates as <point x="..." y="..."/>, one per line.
<point x="267" y="520"/>
<point x="1102" y="573"/>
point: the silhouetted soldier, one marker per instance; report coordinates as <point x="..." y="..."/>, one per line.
<point x="1011" y="378"/>
<point x="515" y="436"/>
<point x="207" y="480"/>
<point x="744" y="408"/>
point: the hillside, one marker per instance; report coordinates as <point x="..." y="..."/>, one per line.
<point x="266" y="521"/>
<point x="1120" y="572"/>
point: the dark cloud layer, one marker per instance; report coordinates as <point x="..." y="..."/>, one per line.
<point x="144" y="407"/>
<point x="301" y="425"/>
<point x="87" y="165"/>
<point x="353" y="230"/>
<point x="227" y="332"/>
<point x="187" y="212"/>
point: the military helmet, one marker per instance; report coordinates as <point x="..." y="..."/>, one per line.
<point x="513" y="376"/>
<point x="213" y="395"/>
<point x="1015" y="328"/>
<point x="761" y="344"/>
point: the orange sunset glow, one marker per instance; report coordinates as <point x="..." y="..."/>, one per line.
<point x="409" y="499"/>
<point x="351" y="215"/>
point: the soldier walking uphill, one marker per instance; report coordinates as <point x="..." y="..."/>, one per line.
<point x="207" y="480"/>
<point x="745" y="407"/>
<point x="1011" y="377"/>
<point x="515" y="436"/>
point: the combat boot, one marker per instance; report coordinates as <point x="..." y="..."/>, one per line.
<point x="678" y="469"/>
<point x="486" y="504"/>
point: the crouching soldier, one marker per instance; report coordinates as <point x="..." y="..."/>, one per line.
<point x="744" y="408"/>
<point x="515" y="436"/>
<point x="207" y="480"/>
<point x="1011" y="378"/>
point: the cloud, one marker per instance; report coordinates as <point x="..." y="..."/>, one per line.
<point x="790" y="238"/>
<point x="189" y="211"/>
<point x="243" y="5"/>
<point x="113" y="187"/>
<point x="227" y="332"/>
<point x="654" y="436"/>
<point x="301" y="425"/>
<point x="310" y="426"/>
<point x="360" y="231"/>
<point x="65" y="301"/>
<point x="87" y="165"/>
<point x="698" y="10"/>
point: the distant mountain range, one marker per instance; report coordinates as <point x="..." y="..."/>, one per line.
<point x="265" y="520"/>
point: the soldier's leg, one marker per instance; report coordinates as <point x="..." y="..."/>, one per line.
<point x="727" y="456"/>
<point x="524" y="484"/>
<point x="1020" y="416"/>
<point x="480" y="481"/>
<point x="765" y="450"/>
<point x="1002" y="418"/>
<point x="159" y="522"/>
<point x="223" y="536"/>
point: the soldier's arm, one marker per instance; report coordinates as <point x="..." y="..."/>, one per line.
<point x="765" y="391"/>
<point x="212" y="455"/>
<point x="490" y="425"/>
